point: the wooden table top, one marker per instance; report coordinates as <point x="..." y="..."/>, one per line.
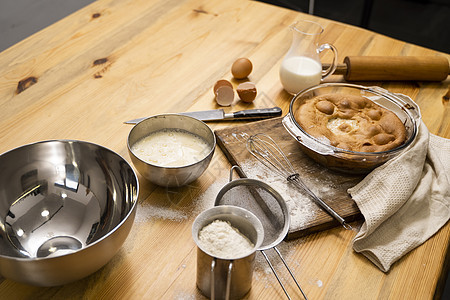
<point x="112" y="61"/>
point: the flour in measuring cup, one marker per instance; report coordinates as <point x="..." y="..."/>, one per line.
<point x="222" y="240"/>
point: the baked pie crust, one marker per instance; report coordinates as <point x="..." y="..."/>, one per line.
<point x="351" y="122"/>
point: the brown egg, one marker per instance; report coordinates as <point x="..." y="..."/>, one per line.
<point x="247" y="91"/>
<point x="241" y="68"/>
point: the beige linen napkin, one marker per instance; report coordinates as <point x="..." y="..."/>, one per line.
<point x="405" y="201"/>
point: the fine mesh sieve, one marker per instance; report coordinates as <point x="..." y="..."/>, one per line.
<point x="270" y="208"/>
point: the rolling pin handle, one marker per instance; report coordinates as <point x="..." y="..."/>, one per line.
<point x="393" y="68"/>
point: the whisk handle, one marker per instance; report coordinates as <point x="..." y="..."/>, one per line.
<point x="333" y="213"/>
<point x="325" y="206"/>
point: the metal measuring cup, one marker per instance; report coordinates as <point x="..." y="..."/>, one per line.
<point x="227" y="278"/>
<point x="268" y="206"/>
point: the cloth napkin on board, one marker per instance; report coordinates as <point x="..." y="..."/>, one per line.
<point x="405" y="201"/>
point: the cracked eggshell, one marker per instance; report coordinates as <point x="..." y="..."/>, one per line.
<point x="220" y="83"/>
<point x="247" y="91"/>
<point x="224" y="95"/>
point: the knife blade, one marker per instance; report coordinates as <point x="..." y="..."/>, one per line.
<point x="220" y="114"/>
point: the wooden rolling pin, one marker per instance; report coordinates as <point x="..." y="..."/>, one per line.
<point x="393" y="68"/>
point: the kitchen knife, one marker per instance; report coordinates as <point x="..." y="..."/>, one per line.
<point x="220" y="114"/>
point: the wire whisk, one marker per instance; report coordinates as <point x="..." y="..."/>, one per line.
<point x="266" y="150"/>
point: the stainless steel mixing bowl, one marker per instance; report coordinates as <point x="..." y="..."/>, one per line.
<point x="66" y="207"/>
<point x="171" y="176"/>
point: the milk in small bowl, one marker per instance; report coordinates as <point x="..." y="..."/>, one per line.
<point x="171" y="150"/>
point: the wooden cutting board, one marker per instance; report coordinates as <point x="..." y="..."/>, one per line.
<point x="232" y="141"/>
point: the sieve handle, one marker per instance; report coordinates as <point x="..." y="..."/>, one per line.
<point x="239" y="171"/>
<point x="276" y="274"/>
<point x="290" y="272"/>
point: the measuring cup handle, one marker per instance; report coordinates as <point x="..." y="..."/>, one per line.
<point x="228" y="290"/>
<point x="330" y="70"/>
<point x="211" y="288"/>
<point x="212" y="283"/>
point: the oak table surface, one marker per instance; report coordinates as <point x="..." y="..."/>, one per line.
<point x="116" y="60"/>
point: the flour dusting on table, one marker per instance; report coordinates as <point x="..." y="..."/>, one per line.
<point x="302" y="209"/>
<point x="146" y="211"/>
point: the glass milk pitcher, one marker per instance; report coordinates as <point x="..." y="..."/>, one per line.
<point x="301" y="67"/>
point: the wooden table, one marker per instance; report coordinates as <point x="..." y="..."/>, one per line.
<point x="117" y="60"/>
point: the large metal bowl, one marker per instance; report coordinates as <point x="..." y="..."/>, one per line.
<point x="171" y="176"/>
<point x="345" y="160"/>
<point x="66" y="207"/>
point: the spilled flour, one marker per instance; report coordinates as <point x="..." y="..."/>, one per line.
<point x="301" y="208"/>
<point x="146" y="212"/>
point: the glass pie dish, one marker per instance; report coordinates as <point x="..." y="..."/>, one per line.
<point x="348" y="161"/>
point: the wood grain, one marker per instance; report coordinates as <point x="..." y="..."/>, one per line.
<point x="116" y="60"/>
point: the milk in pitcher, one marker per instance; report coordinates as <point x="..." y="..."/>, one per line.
<point x="301" y="67"/>
<point x="299" y="72"/>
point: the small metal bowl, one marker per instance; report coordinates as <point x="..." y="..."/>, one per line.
<point x="66" y="207"/>
<point x="171" y="176"/>
<point x="345" y="160"/>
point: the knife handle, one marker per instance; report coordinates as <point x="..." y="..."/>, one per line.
<point x="257" y="113"/>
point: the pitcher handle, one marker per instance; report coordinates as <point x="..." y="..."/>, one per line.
<point x="330" y="70"/>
